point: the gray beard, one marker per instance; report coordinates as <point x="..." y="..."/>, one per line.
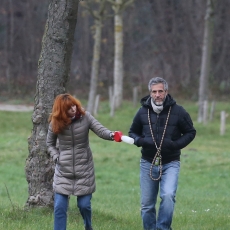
<point x="156" y="108"/>
<point x="158" y="103"/>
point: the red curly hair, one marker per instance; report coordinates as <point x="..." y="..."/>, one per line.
<point x="59" y="117"/>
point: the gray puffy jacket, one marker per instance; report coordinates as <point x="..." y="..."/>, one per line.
<point x="74" y="171"/>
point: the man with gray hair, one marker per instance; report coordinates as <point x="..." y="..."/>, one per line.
<point x="162" y="128"/>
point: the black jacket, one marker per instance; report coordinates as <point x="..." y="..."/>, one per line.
<point x="179" y="131"/>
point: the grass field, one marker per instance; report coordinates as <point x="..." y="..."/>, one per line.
<point x="203" y="201"/>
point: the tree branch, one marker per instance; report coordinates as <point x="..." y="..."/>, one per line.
<point x="119" y="7"/>
<point x="126" y="4"/>
<point x="89" y="9"/>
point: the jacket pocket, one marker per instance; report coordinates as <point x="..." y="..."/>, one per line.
<point x="167" y="144"/>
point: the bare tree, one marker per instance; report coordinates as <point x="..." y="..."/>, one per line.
<point x="118" y="74"/>
<point x="206" y="59"/>
<point x="98" y="16"/>
<point x="53" y="71"/>
<point x="166" y="42"/>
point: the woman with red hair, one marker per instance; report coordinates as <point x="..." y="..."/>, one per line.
<point x="74" y="170"/>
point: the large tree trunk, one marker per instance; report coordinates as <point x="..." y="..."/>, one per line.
<point x="206" y="59"/>
<point x="53" y="71"/>
<point x="118" y="55"/>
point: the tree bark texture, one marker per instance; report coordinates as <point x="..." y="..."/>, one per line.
<point x="53" y="73"/>
<point x="206" y="59"/>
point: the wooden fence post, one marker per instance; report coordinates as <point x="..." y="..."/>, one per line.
<point x="110" y="96"/>
<point x="212" y="110"/>
<point x="135" y="95"/>
<point x="112" y="106"/>
<point x="96" y="104"/>
<point x="222" y="122"/>
<point x="205" y="112"/>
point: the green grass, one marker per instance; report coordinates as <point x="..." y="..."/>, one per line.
<point x="203" y="193"/>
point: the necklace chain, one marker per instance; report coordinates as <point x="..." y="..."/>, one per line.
<point x="157" y="158"/>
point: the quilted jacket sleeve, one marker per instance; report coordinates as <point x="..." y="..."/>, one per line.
<point x="187" y="129"/>
<point x="98" y="128"/>
<point x="51" y="142"/>
<point x="136" y="129"/>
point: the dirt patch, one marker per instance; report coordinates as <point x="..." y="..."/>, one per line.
<point x="16" y="108"/>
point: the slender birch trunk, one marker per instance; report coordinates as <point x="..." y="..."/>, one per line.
<point x="95" y="65"/>
<point x="206" y="58"/>
<point x="118" y="55"/>
<point x="98" y="17"/>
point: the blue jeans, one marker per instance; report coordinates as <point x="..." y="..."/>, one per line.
<point x="61" y="206"/>
<point x="149" y="191"/>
